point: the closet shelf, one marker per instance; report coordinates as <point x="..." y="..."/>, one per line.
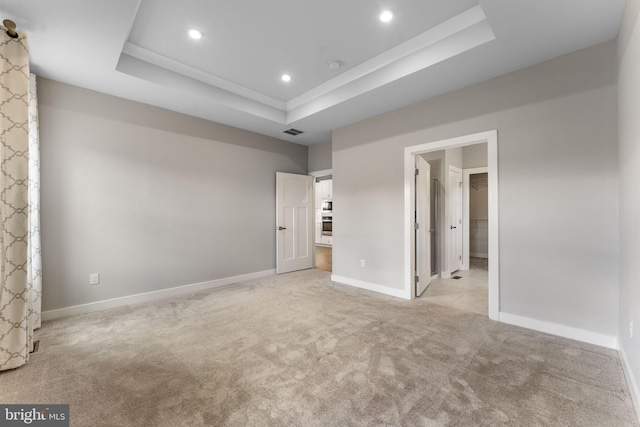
<point x="479" y="181"/>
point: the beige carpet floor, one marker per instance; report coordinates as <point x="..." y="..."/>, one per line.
<point x="297" y="350"/>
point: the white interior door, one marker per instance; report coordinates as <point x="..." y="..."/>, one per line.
<point x="454" y="192"/>
<point x="423" y="227"/>
<point x="294" y="222"/>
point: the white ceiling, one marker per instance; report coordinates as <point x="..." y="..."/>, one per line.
<point x="140" y="50"/>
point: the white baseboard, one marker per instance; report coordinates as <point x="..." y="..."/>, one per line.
<point x="631" y="381"/>
<point x="398" y="293"/>
<point x="479" y="255"/>
<point x="151" y="296"/>
<point x="561" y="330"/>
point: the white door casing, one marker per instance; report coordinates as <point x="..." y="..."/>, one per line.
<point x="294" y="222"/>
<point x="466" y="235"/>
<point x="454" y="229"/>
<point x="491" y="139"/>
<point x="423" y="227"/>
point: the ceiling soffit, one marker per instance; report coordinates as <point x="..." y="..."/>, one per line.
<point x="461" y="33"/>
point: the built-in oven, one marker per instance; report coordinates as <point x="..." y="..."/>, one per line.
<point x="327" y="225"/>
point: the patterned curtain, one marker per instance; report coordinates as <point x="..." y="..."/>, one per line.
<point x="34" y="260"/>
<point x="16" y="297"/>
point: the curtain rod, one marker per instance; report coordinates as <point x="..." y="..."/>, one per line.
<point x="11" y="28"/>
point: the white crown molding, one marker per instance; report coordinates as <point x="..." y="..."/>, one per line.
<point x="457" y="35"/>
<point x="144" y="70"/>
<point x="456" y="44"/>
<point x="186" y="70"/>
<point x="430" y="37"/>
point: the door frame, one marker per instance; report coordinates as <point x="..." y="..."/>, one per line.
<point x="491" y="138"/>
<point x="459" y="237"/>
<point x="466" y="218"/>
<point x="317" y="174"/>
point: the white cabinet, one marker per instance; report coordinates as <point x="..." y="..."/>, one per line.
<point x="317" y="193"/>
<point x="326" y="189"/>
<point x="323" y="191"/>
<point x="325" y="240"/>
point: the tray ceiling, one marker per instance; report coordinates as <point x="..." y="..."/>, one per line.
<point x="140" y="50"/>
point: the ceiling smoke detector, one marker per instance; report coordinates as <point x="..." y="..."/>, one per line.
<point x="292" y="131"/>
<point x="334" y="64"/>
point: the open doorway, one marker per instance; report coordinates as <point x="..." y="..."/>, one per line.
<point x="323" y="236"/>
<point x="453" y="247"/>
<point x="457" y="282"/>
<point x="475" y="215"/>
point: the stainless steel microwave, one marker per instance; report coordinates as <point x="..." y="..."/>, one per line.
<point x="327" y="206"/>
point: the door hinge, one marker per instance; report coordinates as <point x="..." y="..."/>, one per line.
<point x="460" y="257"/>
<point x="417" y="171"/>
<point x="416" y="226"/>
<point x="416" y="279"/>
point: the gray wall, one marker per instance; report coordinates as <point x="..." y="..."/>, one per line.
<point x="320" y="156"/>
<point x="149" y="198"/>
<point x="629" y="161"/>
<point x="557" y="134"/>
<point x="474" y="156"/>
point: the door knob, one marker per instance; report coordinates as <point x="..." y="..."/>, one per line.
<point x="282" y="228"/>
<point x="453" y="226"/>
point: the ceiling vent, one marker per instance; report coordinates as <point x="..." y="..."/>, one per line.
<point x="292" y="131"/>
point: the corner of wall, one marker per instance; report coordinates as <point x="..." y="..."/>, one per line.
<point x="628" y="45"/>
<point x="631" y="381"/>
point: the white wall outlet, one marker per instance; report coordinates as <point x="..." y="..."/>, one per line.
<point x="362" y="263"/>
<point x="631" y="328"/>
<point x="94" y="278"/>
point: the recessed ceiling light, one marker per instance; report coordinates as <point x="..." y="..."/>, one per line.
<point x="195" y="34"/>
<point x="386" y="16"/>
<point x="286" y="78"/>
